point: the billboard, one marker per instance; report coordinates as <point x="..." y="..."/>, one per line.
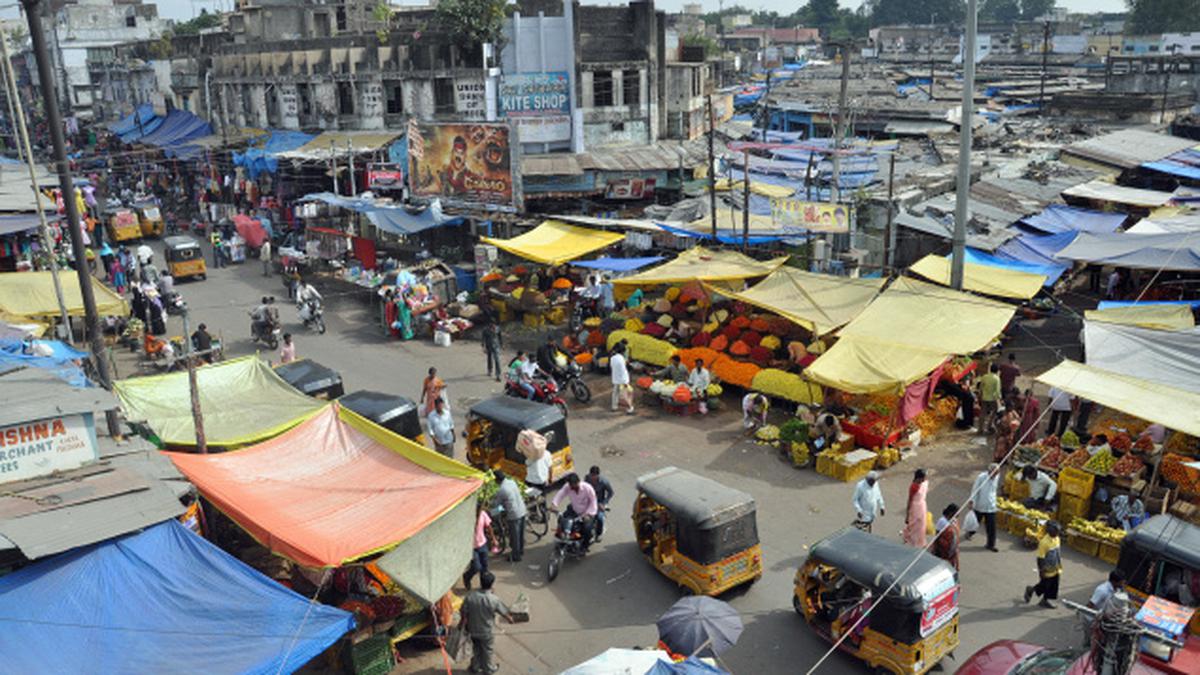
<point x="811" y="216"/>
<point x="538" y="105"/>
<point x="470" y="164"/>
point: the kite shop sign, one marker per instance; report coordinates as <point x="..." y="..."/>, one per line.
<point x="41" y="447"/>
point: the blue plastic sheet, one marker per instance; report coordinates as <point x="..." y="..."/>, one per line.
<point x="61" y="364"/>
<point x="1185" y="163"/>
<point x="1057" y="218"/>
<point x="1036" y="249"/>
<point x="733" y="238"/>
<point x="395" y="219"/>
<point x="1052" y="272"/>
<point x="617" y="264"/>
<point x="692" y="666"/>
<point x="179" y="127"/>
<point x="128" y="124"/>
<point x="259" y="160"/>
<point x="160" y="601"/>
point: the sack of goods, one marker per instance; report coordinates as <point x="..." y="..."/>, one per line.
<point x="531" y="444"/>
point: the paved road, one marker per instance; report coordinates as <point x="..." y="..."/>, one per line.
<point x="613" y="597"/>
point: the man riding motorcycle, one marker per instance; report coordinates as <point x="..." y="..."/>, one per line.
<point x="263" y="316"/>
<point x="583" y="505"/>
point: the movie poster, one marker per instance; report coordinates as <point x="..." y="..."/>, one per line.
<point x="468" y="164"/>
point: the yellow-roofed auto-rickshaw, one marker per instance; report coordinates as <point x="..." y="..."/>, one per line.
<point x="123" y="225"/>
<point x="150" y="220"/>
<point x="493" y="426"/>
<point x="699" y="533"/>
<point x="910" y="630"/>
<point x="184" y="258"/>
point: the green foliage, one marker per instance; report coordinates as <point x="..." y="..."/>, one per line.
<point x="203" y="21"/>
<point x="383" y="14"/>
<point x="711" y="48"/>
<point x="794" y="430"/>
<point x="162" y="48"/>
<point x="1014" y="10"/>
<point x="896" y="12"/>
<point x="473" y="22"/>
<point x="1147" y="17"/>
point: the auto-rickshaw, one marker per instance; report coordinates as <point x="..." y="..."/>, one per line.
<point x="312" y="379"/>
<point x="910" y="630"/>
<point x="1162" y="557"/>
<point x="492" y="428"/>
<point x="699" y="533"/>
<point x="397" y="414"/>
<point x="184" y="257"/>
<point x="151" y="220"/>
<point x="123" y="225"/>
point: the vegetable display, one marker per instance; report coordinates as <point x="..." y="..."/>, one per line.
<point x="1076" y="459"/>
<point x="1128" y="465"/>
<point x="1053" y="459"/>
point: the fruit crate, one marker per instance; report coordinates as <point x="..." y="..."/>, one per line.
<point x="1109" y="552"/>
<point x="1015" y="488"/>
<point x="854" y="465"/>
<point x="1083" y="543"/>
<point x="1002" y="521"/>
<point x="1017" y="524"/>
<point x="1076" y="483"/>
<point x="1070" y="508"/>
<point x="864" y="438"/>
<point x="372" y="656"/>
<point x="825" y="463"/>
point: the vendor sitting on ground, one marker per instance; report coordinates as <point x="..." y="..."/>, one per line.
<point x="674" y="372"/>
<point x="699" y="379"/>
<point x="754" y="412"/>
<point x="827" y="427"/>
<point x="1042" y="489"/>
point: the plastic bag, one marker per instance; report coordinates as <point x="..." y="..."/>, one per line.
<point x="971" y="523"/>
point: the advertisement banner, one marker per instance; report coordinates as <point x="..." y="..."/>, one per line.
<point x="811" y="216"/>
<point x="630" y="188"/>
<point x="538" y="104"/>
<point x="939" y="611"/>
<point x="470" y="99"/>
<point x="469" y="164"/>
<point x="41" y="447"/>
<point x="385" y="176"/>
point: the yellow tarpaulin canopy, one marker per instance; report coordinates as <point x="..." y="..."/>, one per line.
<point x="764" y="189"/>
<point x="555" y="242"/>
<point x="701" y="264"/>
<point x="1171" y="407"/>
<point x="31" y="294"/>
<point x="909" y="330"/>
<point x="995" y="281"/>
<point x="819" y="302"/>
<point x="1158" y="317"/>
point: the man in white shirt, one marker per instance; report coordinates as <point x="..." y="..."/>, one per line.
<point x="1060" y="412"/>
<point x="537" y="471"/>
<point x="441" y="428"/>
<point x="1042" y="489"/>
<point x="983" y="500"/>
<point x="1100" y="596"/>
<point x="868" y="501"/>
<point x="620" y="379"/>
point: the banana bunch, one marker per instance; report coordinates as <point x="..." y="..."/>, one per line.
<point x="1020" y="509"/>
<point x="1097" y="530"/>
<point x="768" y="432"/>
<point x="887" y="457"/>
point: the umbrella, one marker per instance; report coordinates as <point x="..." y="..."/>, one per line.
<point x="700" y="624"/>
<point x="616" y="661"/>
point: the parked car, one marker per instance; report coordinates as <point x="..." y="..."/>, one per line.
<point x="1011" y="657"/>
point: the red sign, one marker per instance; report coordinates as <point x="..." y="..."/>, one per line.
<point x="630" y="188"/>
<point x="937" y="613"/>
<point x="385" y="176"/>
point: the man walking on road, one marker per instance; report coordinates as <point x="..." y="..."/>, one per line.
<point x="479" y="610"/>
<point x="620" y="380"/>
<point x="983" y="499"/>
<point x="493" y="342"/>
<point x="441" y="428"/>
<point x="264" y="252"/>
<point x="508" y="496"/>
<point x="1049" y="565"/>
<point x="989" y="399"/>
<point x="868" y="501"/>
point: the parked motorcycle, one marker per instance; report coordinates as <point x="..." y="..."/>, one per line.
<point x="545" y="390"/>
<point x="312" y="314"/>
<point x="568" y="543"/>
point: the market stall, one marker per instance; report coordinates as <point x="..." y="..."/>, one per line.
<point x="986" y="279"/>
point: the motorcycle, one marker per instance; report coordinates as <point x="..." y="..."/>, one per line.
<point x="568" y="543"/>
<point x="268" y="333"/>
<point x="312" y="314"/>
<point x="545" y="390"/>
<point x="572" y="378"/>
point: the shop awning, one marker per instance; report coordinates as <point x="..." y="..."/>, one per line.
<point x="1156" y="316"/>
<point x="555" y="242"/>
<point x="1100" y="191"/>
<point x="338" y="488"/>
<point x="1170" y="358"/>
<point x="159" y="601"/>
<point x="1173" y="408"/>
<point x="995" y="281"/>
<point x="340" y="144"/>
<point x="177" y="128"/>
<point x="243" y="402"/>
<point x="31" y="294"/>
<point x="903" y="335"/>
<point x="1051" y="272"/>
<point x="1171" y="251"/>
<point x="20" y="222"/>
<point x="1057" y="218"/>
<point x="819" y="302"/>
<point x="141" y="115"/>
<point x="258" y="160"/>
<point x="1037" y="249"/>
<point x="389" y="217"/>
<point x="702" y="264"/>
<point x="1186" y="222"/>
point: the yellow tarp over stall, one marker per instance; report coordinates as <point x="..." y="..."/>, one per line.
<point x="764" y="189"/>
<point x="994" y="281"/>
<point x="1157" y="317"/>
<point x="1171" y="407"/>
<point x="701" y="264"/>
<point x="31" y="294"/>
<point x="555" y="242"/>
<point x="819" y="302"/>
<point x="909" y="330"/>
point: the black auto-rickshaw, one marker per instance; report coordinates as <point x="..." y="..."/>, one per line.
<point x="1162" y="557"/>
<point x="184" y="257"/>
<point x="397" y="414"/>
<point x="312" y="379"/>
<point x="910" y="630"/>
<point x="492" y="428"/>
<point x="699" y="533"/>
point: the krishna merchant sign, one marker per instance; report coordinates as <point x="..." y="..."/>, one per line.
<point x="41" y="447"/>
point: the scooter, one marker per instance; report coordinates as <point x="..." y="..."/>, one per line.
<point x="568" y="543"/>
<point x="312" y="314"/>
<point x="545" y="390"/>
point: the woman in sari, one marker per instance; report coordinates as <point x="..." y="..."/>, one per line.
<point x="431" y="391"/>
<point x="1006" y="431"/>
<point x="914" y="518"/>
<point x="1029" y="418"/>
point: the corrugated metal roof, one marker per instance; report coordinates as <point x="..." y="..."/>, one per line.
<point x="661" y="156"/>
<point x="1128" y="148"/>
<point x="34" y="393"/>
<point x="341" y="144"/>
<point x="560" y="164"/>
<point x="988" y="228"/>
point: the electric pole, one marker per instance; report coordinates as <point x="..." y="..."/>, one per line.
<point x="55" y="125"/>
<point x="193" y="385"/>
<point x="746" y="200"/>
<point x="712" y="171"/>
<point x="887" y="232"/>
<point x="840" y="129"/>
<point x="963" y="187"/>
<point x="1045" y="52"/>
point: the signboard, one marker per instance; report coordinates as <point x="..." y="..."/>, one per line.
<point x="463" y="163"/>
<point x="385" y="176"/>
<point x="811" y="216"/>
<point x="416" y="146"/>
<point x="939" y="611"/>
<point x="538" y="104"/>
<point x="630" y="188"/>
<point x="41" y="447"/>
<point x="470" y="99"/>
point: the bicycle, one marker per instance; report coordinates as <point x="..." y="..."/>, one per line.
<point x="537" y="519"/>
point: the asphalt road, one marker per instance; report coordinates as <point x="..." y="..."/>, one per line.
<point x="613" y="597"/>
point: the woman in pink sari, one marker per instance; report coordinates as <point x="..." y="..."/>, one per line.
<point x="1030" y="413"/>
<point x="914" y="517"/>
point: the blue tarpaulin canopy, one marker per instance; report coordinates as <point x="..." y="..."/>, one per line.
<point x="179" y="127"/>
<point x="617" y="264"/>
<point x="1057" y="218"/>
<point x="1109" y="304"/>
<point x="1051" y="272"/>
<point x="61" y="363"/>
<point x="257" y="160"/>
<point x="1036" y="249"/>
<point x="129" y="124"/>
<point x="394" y="219"/>
<point x="1185" y="163"/>
<point x="160" y="601"/>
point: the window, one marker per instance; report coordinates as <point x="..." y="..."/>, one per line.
<point x="1195" y="48"/>
<point x="631" y="86"/>
<point x="695" y="81"/>
<point x="345" y="98"/>
<point x="443" y="95"/>
<point x="302" y="92"/>
<point x="1153" y="48"/>
<point x="131" y="21"/>
<point x="395" y="97"/>
<point x="602" y="88"/>
<point x="341" y="17"/>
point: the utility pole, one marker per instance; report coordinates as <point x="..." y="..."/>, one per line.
<point x="16" y="111"/>
<point x="1045" y="53"/>
<point x="840" y="129"/>
<point x="766" y="108"/>
<point x="350" y="156"/>
<point x="193" y="386"/>
<point x="333" y="165"/>
<point x="931" y="40"/>
<point x="887" y="232"/>
<point x="746" y="199"/>
<point x="712" y="171"/>
<point x="54" y="123"/>
<point x="963" y="187"/>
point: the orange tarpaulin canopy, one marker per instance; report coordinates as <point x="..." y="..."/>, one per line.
<point x="331" y="490"/>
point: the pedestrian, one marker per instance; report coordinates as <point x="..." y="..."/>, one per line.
<point x="1031" y="410"/>
<point x="1049" y="565"/>
<point x="945" y="545"/>
<point x="484" y="538"/>
<point x="293" y="280"/>
<point x="916" y="511"/>
<point x="508" y="497"/>
<point x="1060" y="412"/>
<point x="202" y="342"/>
<point x="868" y="501"/>
<point x="1006" y="430"/>
<point x="989" y="399"/>
<point x="218" y="255"/>
<point x="604" y="494"/>
<point x="1042" y="488"/>
<point x="1106" y="589"/>
<point x="754" y="412"/>
<point x="983" y="501"/>
<point x="264" y="252"/>
<point x="1009" y="372"/>
<point x="493" y="342"/>
<point x="287" y="351"/>
<point x="479" y="610"/>
<point x="432" y="389"/>
<point x="622" y="393"/>
<point x="607" y="303"/>
<point x="441" y="428"/>
<point x="1114" y="284"/>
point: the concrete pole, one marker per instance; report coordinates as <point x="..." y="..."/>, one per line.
<point x="840" y="129"/>
<point x="746" y="200"/>
<point x="963" y="187"/>
<point x="193" y="386"/>
<point x="712" y="171"/>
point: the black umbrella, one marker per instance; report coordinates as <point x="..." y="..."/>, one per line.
<point x="700" y="625"/>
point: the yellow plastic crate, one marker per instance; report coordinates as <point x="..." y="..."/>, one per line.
<point x="825" y="464"/>
<point x="1070" y="508"/>
<point x="1015" y="488"/>
<point x="1082" y="543"/>
<point x="1076" y="483"/>
<point x="850" y="473"/>
<point x="1109" y="552"/>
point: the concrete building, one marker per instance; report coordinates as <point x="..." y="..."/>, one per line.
<point x="1181" y="43"/>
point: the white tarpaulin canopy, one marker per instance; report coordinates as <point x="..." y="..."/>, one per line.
<point x="1166" y="357"/>
<point x="1172" y="251"/>
<point x="1173" y="408"/>
<point x="1118" y="194"/>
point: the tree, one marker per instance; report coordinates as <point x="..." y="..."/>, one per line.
<point x="711" y="48"/>
<point x="1147" y="17"/>
<point x="1036" y="9"/>
<point x="203" y="21"/>
<point x="821" y="14"/>
<point x="473" y="22"/>
<point x="1002" y="11"/>
<point x="896" y="12"/>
